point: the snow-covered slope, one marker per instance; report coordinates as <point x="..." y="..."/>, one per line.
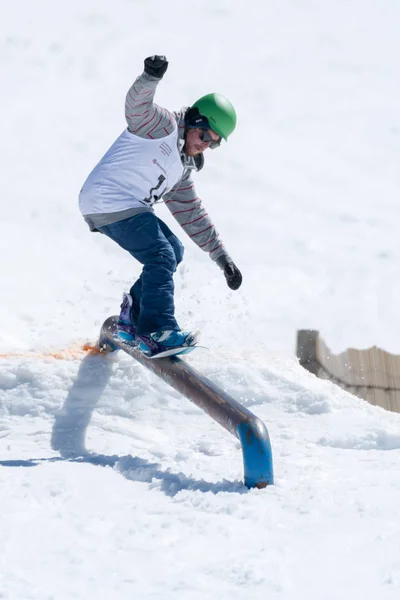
<point x="111" y="484"/>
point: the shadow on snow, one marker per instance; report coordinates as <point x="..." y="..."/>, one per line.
<point x="69" y="432"/>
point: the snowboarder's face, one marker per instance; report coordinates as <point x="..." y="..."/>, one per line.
<point x="195" y="145"/>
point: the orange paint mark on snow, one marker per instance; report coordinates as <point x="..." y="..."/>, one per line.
<point x="71" y="353"/>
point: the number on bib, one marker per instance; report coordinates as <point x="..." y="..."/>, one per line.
<point x="152" y="197"/>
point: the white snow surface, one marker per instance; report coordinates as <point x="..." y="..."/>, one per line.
<point x="113" y="485"/>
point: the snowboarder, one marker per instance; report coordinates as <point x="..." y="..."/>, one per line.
<point x="152" y="160"/>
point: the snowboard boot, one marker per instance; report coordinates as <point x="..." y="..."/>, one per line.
<point x="126" y="330"/>
<point x="166" y="343"/>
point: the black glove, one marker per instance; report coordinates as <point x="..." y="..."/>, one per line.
<point x="233" y="276"/>
<point x="156" y="66"/>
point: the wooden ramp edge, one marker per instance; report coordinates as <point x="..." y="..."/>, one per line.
<point x="372" y="374"/>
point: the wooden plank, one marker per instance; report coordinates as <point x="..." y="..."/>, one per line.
<point x="372" y="374"/>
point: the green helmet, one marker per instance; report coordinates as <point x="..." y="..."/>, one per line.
<point x="219" y="112"/>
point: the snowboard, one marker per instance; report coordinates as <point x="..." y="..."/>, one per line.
<point x="178" y="350"/>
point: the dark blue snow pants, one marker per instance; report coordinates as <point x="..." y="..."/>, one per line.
<point x="152" y="243"/>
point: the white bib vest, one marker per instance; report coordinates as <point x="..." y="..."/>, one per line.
<point x="135" y="172"/>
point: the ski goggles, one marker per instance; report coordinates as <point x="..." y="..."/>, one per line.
<point x="206" y="137"/>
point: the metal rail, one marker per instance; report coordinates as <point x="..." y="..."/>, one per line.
<point x="238" y="420"/>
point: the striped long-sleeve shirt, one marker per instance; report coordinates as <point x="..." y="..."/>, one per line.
<point x="148" y="120"/>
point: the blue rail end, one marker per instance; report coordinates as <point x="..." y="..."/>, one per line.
<point x="257" y="453"/>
